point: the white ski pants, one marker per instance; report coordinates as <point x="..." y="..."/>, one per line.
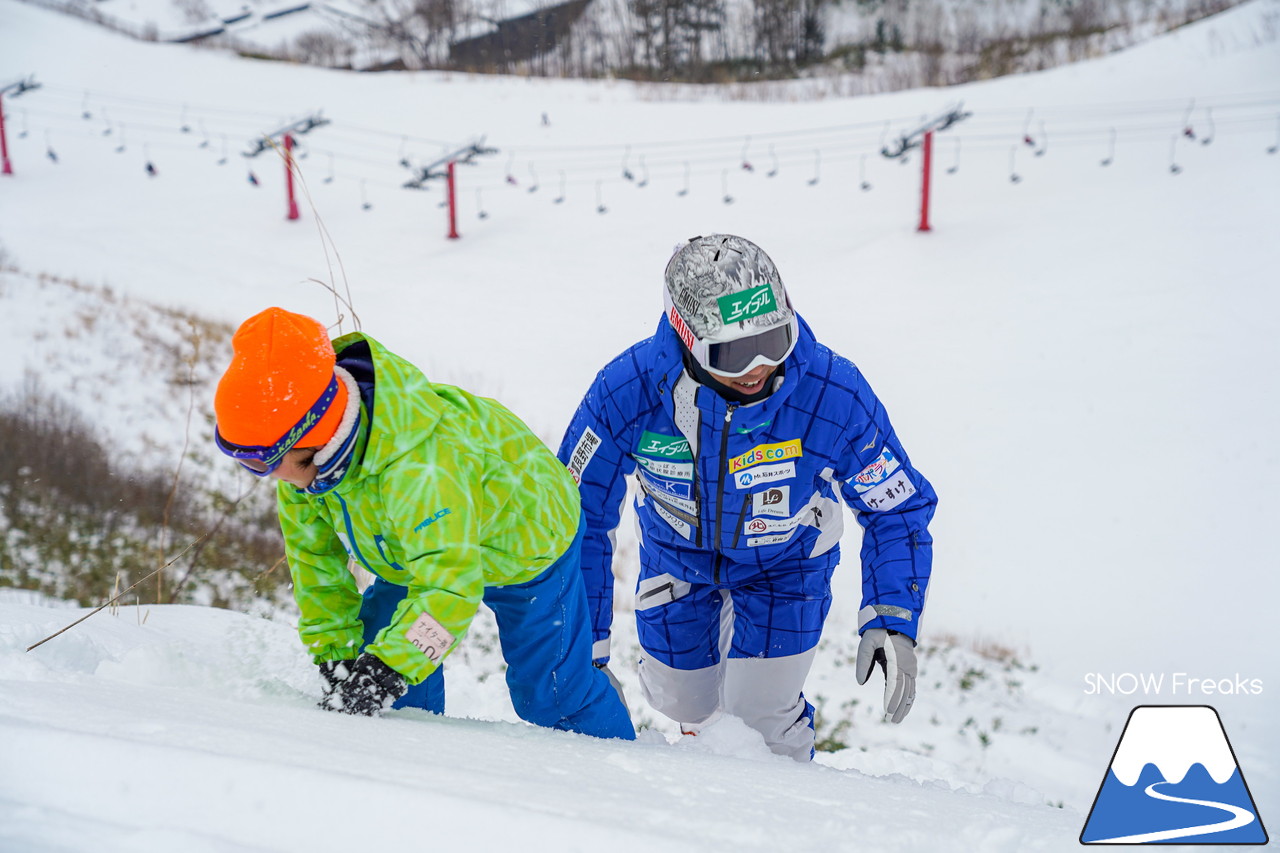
<point x="765" y="693"/>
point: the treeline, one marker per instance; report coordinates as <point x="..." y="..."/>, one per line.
<point x="898" y="42"/>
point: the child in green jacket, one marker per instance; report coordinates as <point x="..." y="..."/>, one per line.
<point x="446" y="498"/>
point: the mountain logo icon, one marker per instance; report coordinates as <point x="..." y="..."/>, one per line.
<point x="1174" y="779"/>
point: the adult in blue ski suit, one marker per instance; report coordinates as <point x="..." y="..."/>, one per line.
<point x="744" y="432"/>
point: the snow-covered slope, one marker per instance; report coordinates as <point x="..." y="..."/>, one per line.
<point x="196" y="731"/>
<point x="1079" y="360"/>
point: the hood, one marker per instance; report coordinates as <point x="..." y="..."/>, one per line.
<point x="406" y="408"/>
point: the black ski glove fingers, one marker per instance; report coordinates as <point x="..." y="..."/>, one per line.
<point x="370" y="688"/>
<point x="334" y="671"/>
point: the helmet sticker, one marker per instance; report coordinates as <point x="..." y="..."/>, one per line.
<point x="749" y="303"/>
<point x="724" y="287"/>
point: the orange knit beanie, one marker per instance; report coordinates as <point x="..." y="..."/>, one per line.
<point x="281" y="366"/>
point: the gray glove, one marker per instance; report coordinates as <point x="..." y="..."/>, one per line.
<point x="613" y="680"/>
<point x="896" y="655"/>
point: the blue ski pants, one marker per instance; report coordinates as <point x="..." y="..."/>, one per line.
<point x="742" y="648"/>
<point x="543" y="629"/>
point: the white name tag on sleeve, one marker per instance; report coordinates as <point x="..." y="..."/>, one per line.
<point x="429" y="636"/>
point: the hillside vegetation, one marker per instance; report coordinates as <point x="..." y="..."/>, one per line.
<point x="108" y="471"/>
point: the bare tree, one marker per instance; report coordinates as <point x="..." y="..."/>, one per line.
<point x="673" y="34"/>
<point x="321" y="47"/>
<point x="788" y="33"/>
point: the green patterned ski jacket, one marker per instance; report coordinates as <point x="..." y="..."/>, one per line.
<point x="453" y="493"/>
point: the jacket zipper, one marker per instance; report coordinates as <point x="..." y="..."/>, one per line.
<point x="351" y="536"/>
<point x="666" y="587"/>
<point x="742" y="519"/>
<point x="724" y="465"/>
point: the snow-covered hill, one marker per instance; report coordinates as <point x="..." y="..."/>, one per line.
<point x="1078" y="359"/>
<point x="195" y="730"/>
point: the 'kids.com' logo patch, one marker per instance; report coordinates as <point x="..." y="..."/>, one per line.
<point x="766" y="453"/>
<point x="1174" y="779"/>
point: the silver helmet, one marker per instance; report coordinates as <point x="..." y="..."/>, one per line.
<point x="724" y="288"/>
<point x="726" y="303"/>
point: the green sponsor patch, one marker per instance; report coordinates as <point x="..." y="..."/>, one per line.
<point x="664" y="446"/>
<point x="749" y="303"/>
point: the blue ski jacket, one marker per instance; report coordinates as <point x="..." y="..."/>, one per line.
<point x="726" y="489"/>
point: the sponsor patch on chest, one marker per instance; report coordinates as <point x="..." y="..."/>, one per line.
<point x="771" y="539"/>
<point x="667" y="488"/>
<point x="775" y="500"/>
<point x="765" y="474"/>
<point x="666" y="468"/>
<point x="766" y="453"/>
<point x="664" y="446"/>
<point x="679" y="525"/>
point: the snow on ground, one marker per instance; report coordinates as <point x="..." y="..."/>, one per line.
<point x="203" y="736"/>
<point x="1079" y="360"/>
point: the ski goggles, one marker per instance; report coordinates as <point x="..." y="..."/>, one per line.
<point x="261" y="461"/>
<point x="739" y="356"/>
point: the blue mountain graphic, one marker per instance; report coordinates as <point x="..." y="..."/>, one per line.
<point x="1123" y="810"/>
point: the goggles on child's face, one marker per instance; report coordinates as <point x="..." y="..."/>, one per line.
<point x="742" y="355"/>
<point x="262" y="461"/>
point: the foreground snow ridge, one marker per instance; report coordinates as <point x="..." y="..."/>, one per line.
<point x="197" y="730"/>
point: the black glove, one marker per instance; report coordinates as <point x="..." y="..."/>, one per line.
<point x="334" y="671"/>
<point x="369" y="688"/>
